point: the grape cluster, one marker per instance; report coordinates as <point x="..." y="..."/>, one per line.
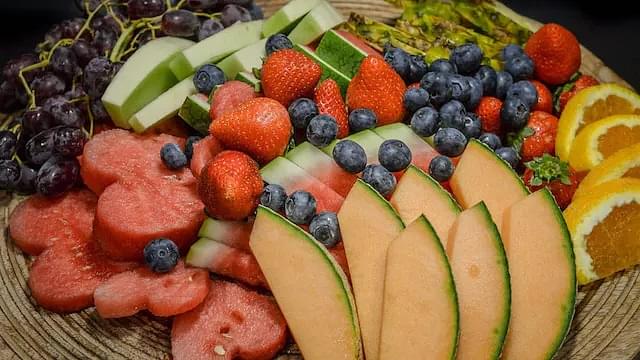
<point x="50" y="99"/>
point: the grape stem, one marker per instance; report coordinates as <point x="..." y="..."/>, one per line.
<point x="210" y="16"/>
<point x="87" y="22"/>
<point x="179" y="5"/>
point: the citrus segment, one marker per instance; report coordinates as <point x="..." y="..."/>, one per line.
<point x="601" y="139"/>
<point x="624" y="163"/>
<point x="604" y="226"/>
<point x="589" y="105"/>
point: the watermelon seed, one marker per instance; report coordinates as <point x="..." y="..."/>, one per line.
<point x="219" y="350"/>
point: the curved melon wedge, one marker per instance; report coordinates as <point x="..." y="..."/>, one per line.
<point x="418" y="193"/>
<point x="480" y="268"/>
<point x="368" y="224"/>
<point x="309" y="286"/>
<point x="420" y="311"/>
<point x="543" y="277"/>
<point x="482" y="176"/>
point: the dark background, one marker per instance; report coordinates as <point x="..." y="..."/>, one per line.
<point x="608" y="28"/>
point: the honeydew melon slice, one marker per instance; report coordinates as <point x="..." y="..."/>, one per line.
<point x="285" y="19"/>
<point x="319" y="20"/>
<point x="245" y="59"/>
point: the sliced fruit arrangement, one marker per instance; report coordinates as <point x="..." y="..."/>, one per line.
<point x="622" y="164"/>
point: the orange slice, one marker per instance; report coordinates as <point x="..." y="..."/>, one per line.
<point x="589" y="105"/>
<point x="604" y="226"/>
<point x="624" y="163"/>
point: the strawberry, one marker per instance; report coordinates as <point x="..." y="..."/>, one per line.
<point x="259" y="127"/>
<point x="545" y="99"/>
<point x="542" y="128"/>
<point x="555" y="52"/>
<point x="378" y="87"/>
<point x="230" y="185"/>
<point x="329" y="101"/>
<point x="556" y="175"/>
<point x="565" y="93"/>
<point x="488" y="111"/>
<point x="228" y="96"/>
<point x="288" y="75"/>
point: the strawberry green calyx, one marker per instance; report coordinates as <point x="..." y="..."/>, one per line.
<point x="548" y="168"/>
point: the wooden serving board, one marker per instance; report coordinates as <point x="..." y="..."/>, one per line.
<point x="606" y="324"/>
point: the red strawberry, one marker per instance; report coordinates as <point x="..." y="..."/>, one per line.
<point x="230" y="186"/>
<point x="329" y="100"/>
<point x="545" y="99"/>
<point x="378" y="87"/>
<point x="228" y="96"/>
<point x="288" y="75"/>
<point x="566" y="92"/>
<point x="488" y="111"/>
<point x="259" y="127"/>
<point x="556" y="175"/>
<point x="543" y="128"/>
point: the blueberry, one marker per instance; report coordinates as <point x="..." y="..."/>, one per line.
<point x="188" y="146"/>
<point x="300" y="207"/>
<point x="510" y="51"/>
<point x="322" y="130"/>
<point x="414" y="99"/>
<point x="379" y="178"/>
<point x="399" y="60"/>
<point x="417" y="68"/>
<point x="491" y="140"/>
<point x="425" y="121"/>
<point x="301" y="111"/>
<point x="472" y="126"/>
<point x="161" y="255"/>
<point x="443" y="66"/>
<point x="467" y="58"/>
<point x="514" y="113"/>
<point x="488" y="78"/>
<point x="452" y="115"/>
<point x="441" y="168"/>
<point x="460" y="89"/>
<point x="172" y="156"/>
<point x="525" y="91"/>
<point x="504" y="80"/>
<point x="520" y="67"/>
<point x="362" y="119"/>
<point x="350" y="156"/>
<point x="394" y="155"/>
<point x="437" y="85"/>
<point x="273" y="196"/>
<point x="450" y="142"/>
<point x="475" y="94"/>
<point x="509" y="155"/>
<point x="208" y="77"/>
<point x="277" y="42"/>
<point x="325" y="228"/>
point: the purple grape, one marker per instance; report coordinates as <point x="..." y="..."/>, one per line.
<point x="70" y="28"/>
<point x="97" y="76"/>
<point x="234" y="13"/>
<point x="39" y="148"/>
<point x="64" y="63"/>
<point x="53" y="35"/>
<point x="84" y="51"/>
<point x="27" y="181"/>
<point x="8" y="144"/>
<point x="36" y="120"/>
<point x="145" y="8"/>
<point x="57" y="175"/>
<point x="8" y="100"/>
<point x="9" y="174"/>
<point x="67" y="114"/>
<point x="110" y="23"/>
<point x="243" y="3"/>
<point x="181" y="23"/>
<point x="12" y="68"/>
<point x="68" y="141"/>
<point x="256" y="11"/>
<point x="104" y="40"/>
<point x="57" y="100"/>
<point x="76" y="92"/>
<point x="47" y="85"/>
<point x="202" y="4"/>
<point x="100" y="114"/>
<point x="208" y="28"/>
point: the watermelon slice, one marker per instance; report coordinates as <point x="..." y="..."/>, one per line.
<point x="231" y="323"/>
<point x="36" y="223"/>
<point x="203" y="152"/>
<point x="231" y="233"/>
<point x="227" y="261"/>
<point x="195" y="112"/>
<point x="421" y="151"/>
<point x="64" y="277"/>
<point x="168" y="294"/>
<point x="322" y="167"/>
<point x="291" y="177"/>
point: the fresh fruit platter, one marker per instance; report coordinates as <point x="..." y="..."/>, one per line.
<point x="254" y="180"/>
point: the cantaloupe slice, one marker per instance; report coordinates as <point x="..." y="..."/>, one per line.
<point x="479" y="265"/>
<point x="418" y="193"/>
<point x="420" y="311"/>
<point x="543" y="277"/>
<point x="309" y="286"/>
<point x="482" y="176"/>
<point x="368" y="224"/>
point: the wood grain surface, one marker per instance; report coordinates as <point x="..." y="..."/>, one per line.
<point x="606" y="324"/>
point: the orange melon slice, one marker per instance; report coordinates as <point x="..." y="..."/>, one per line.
<point x="420" y="311"/>
<point x="418" y="193"/>
<point x="480" y="268"/>
<point x="482" y="176"/>
<point x="543" y="277"/>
